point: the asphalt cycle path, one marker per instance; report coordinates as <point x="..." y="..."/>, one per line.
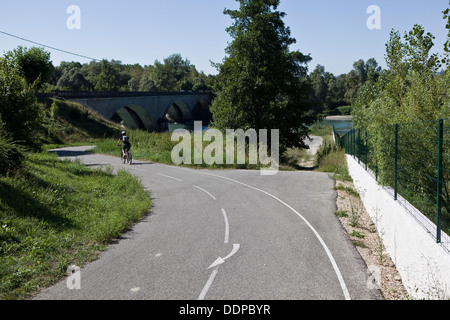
<point x="225" y="235"/>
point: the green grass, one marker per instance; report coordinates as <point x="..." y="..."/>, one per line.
<point x="332" y="159"/>
<point x="341" y="214"/>
<point x="321" y="130"/>
<point x="68" y="123"/>
<point x="157" y="147"/>
<point x="357" y="234"/>
<point x="57" y="213"/>
<point x="348" y="190"/>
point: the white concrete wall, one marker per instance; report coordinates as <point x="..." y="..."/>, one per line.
<point x="423" y="264"/>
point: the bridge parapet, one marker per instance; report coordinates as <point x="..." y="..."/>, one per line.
<point x="125" y="94"/>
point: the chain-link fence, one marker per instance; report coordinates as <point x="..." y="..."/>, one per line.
<point x="414" y="160"/>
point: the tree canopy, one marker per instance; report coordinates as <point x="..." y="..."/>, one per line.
<point x="261" y="83"/>
<point x="330" y="92"/>
<point x="411" y="89"/>
<point x="19" y="110"/>
<point x="171" y="75"/>
<point x="33" y="64"/>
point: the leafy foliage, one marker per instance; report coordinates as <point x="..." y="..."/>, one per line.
<point x="261" y="83"/>
<point x="56" y="214"/>
<point x="19" y="110"/>
<point x="406" y="101"/>
<point x="33" y="64"/>
<point x="330" y="92"/>
<point x="171" y="75"/>
<point x="410" y="90"/>
<point x="11" y="155"/>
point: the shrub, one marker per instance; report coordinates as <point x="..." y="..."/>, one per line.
<point x="11" y="155"/>
<point x="19" y="109"/>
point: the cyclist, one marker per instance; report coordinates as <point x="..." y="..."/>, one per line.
<point x="126" y="143"/>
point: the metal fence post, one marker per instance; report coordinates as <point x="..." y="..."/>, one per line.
<point x="351" y="143"/>
<point x="346" y="143"/>
<point x="358" y="146"/>
<point x="439" y="181"/>
<point x="366" y="150"/>
<point x="396" y="164"/>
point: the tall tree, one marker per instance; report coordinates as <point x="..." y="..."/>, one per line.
<point x="411" y="94"/>
<point x="336" y="92"/>
<point x="71" y="77"/>
<point x="147" y="85"/>
<point x="34" y="64"/>
<point x="106" y="80"/>
<point x="261" y="83"/>
<point x="320" y="87"/>
<point x="410" y="89"/>
<point x="169" y="74"/>
<point x="359" y="75"/>
<point x="445" y="59"/>
<point x="372" y="69"/>
<point x="19" y="109"/>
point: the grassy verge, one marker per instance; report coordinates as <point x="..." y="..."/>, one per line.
<point x="331" y="158"/>
<point x="157" y="147"/>
<point x="321" y="130"/>
<point x="57" y="213"/>
<point x="66" y="122"/>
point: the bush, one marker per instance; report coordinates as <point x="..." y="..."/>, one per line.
<point x="54" y="111"/>
<point x="60" y="213"/>
<point x="344" y="110"/>
<point x="11" y="156"/>
<point x="331" y="158"/>
<point x="19" y="109"/>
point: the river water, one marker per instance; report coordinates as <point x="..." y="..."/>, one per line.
<point x="341" y="124"/>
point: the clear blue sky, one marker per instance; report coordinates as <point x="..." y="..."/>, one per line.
<point x="334" y="32"/>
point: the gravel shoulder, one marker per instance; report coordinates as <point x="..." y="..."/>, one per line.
<point x="363" y="233"/>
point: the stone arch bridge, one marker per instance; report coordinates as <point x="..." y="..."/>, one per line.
<point x="151" y="111"/>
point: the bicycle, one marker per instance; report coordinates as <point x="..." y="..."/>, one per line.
<point x="127" y="158"/>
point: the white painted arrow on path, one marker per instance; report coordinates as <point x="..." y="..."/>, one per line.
<point x="220" y="260"/>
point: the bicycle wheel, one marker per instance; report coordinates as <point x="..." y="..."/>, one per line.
<point x="130" y="158"/>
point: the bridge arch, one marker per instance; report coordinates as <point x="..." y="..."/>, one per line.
<point x="135" y="117"/>
<point x="156" y="104"/>
<point x="201" y="111"/>
<point x="178" y="111"/>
